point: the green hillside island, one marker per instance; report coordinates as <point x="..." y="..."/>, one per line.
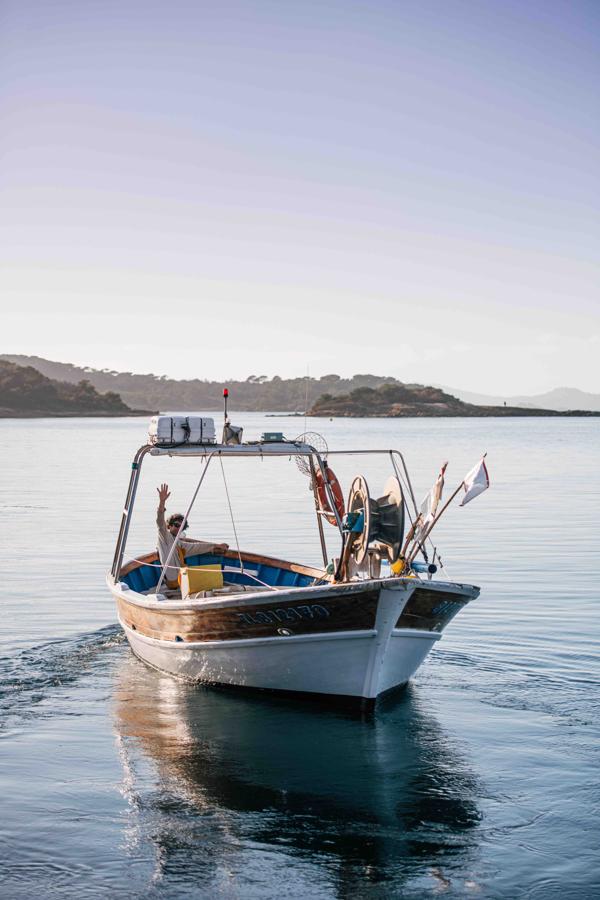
<point x="26" y="393"/>
<point x="403" y="401"/>
<point x="329" y="395"/>
<point x="257" y="392"/>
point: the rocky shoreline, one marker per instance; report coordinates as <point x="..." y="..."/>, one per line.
<point x="416" y="401"/>
<point x="71" y="414"/>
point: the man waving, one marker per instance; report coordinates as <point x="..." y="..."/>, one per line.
<point x="168" y="529"/>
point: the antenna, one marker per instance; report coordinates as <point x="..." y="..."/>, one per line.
<point x="306" y="395"/>
<point x="232" y="434"/>
<point x="225" y="398"/>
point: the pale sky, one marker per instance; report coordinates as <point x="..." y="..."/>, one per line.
<point x="218" y="189"/>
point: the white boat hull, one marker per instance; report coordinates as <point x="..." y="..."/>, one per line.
<point x="361" y="663"/>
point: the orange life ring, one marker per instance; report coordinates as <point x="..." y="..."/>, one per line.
<point x="323" y="499"/>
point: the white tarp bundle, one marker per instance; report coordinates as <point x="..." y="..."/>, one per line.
<point x="181" y="430"/>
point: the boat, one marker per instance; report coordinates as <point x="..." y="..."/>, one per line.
<point x="355" y="628"/>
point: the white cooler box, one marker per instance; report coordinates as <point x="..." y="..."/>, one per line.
<point x="181" y="430"/>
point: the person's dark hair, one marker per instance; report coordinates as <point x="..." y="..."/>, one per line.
<point x="176" y="519"/>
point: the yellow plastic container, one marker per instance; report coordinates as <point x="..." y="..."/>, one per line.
<point x="399" y="566"/>
<point x="193" y="579"/>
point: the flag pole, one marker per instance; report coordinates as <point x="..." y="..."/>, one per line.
<point x="420" y="542"/>
<point x="434" y="495"/>
<point x="436" y="518"/>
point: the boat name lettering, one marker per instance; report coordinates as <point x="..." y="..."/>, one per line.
<point x="284" y="614"/>
<point x="446" y="606"/>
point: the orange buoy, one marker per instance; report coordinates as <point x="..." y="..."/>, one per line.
<point x="323" y="498"/>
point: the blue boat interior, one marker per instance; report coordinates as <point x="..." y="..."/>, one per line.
<point x="145" y="578"/>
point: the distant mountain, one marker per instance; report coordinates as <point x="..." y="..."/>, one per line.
<point x="25" y="392"/>
<point x="404" y="400"/>
<point x="561" y="399"/>
<point x="257" y="392"/>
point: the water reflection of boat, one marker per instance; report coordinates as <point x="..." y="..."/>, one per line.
<point x="356" y="628"/>
<point x="367" y="798"/>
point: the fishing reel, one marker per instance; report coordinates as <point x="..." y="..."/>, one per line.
<point x="374" y="524"/>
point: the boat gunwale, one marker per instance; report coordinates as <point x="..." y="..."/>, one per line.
<point x="247" y="556"/>
<point x="468" y="591"/>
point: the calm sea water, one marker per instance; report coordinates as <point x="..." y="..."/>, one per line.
<point x="480" y="780"/>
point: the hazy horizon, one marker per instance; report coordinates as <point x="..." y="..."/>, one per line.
<point x="462" y="388"/>
<point x="213" y="191"/>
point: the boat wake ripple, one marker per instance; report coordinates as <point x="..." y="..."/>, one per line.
<point x="529" y="682"/>
<point x="27" y="677"/>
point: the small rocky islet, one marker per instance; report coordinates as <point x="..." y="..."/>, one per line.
<point x="416" y="400"/>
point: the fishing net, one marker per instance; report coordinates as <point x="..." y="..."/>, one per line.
<point x="313" y="439"/>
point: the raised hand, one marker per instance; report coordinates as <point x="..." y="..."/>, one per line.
<point x="163" y="493"/>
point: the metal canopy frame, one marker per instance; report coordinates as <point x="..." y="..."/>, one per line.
<point x="246" y="451"/>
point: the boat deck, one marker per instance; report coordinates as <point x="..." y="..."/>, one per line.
<point x="252" y="573"/>
<point x="228" y="589"/>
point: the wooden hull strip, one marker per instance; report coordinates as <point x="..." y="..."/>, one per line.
<point x="349" y="611"/>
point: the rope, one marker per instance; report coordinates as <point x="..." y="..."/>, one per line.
<point x="217" y="569"/>
<point x="159" y="565"/>
<point x="237" y="543"/>
<point x="181" y="528"/>
<point x="403" y="484"/>
<point x="442" y="566"/>
<point x="250" y="575"/>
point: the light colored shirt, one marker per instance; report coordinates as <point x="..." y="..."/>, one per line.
<point x="165" y="541"/>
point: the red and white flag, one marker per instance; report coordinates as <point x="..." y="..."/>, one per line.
<point x="476" y="482"/>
